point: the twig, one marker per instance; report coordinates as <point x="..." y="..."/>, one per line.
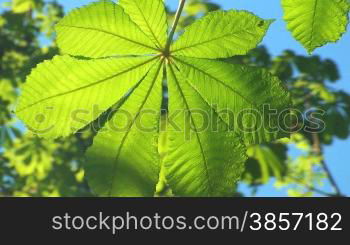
<point x="318" y="151"/>
<point x="331" y="178"/>
<point x="314" y="189"/>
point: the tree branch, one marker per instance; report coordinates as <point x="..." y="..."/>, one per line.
<point x="331" y="178"/>
<point x="317" y="150"/>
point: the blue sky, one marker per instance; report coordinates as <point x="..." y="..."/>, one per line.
<point x="277" y="40"/>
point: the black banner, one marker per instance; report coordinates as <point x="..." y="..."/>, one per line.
<point x="158" y="220"/>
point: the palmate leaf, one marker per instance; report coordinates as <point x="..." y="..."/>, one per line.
<point x="120" y="60"/>
<point x="316" y="22"/>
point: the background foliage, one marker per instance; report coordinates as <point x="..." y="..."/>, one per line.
<point x="31" y="166"/>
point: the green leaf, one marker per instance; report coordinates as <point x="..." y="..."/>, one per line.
<point x="241" y="96"/>
<point x="124" y="159"/>
<point x="101" y="29"/>
<point x="121" y="72"/>
<point x="204" y="157"/>
<point x="63" y="95"/>
<point x="22" y="6"/>
<point x="316" y="22"/>
<point x="270" y="164"/>
<point x="221" y="34"/>
<point x="150" y="16"/>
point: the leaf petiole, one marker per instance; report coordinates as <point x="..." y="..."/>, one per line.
<point x="173" y="28"/>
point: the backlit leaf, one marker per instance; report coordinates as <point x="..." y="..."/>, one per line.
<point x="117" y="62"/>
<point x="205" y="158"/>
<point x="316" y="22"/>
<point x="64" y="95"/>
<point x="221" y="34"/>
<point x="150" y="16"/>
<point x="124" y="160"/>
<point x="101" y="29"/>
